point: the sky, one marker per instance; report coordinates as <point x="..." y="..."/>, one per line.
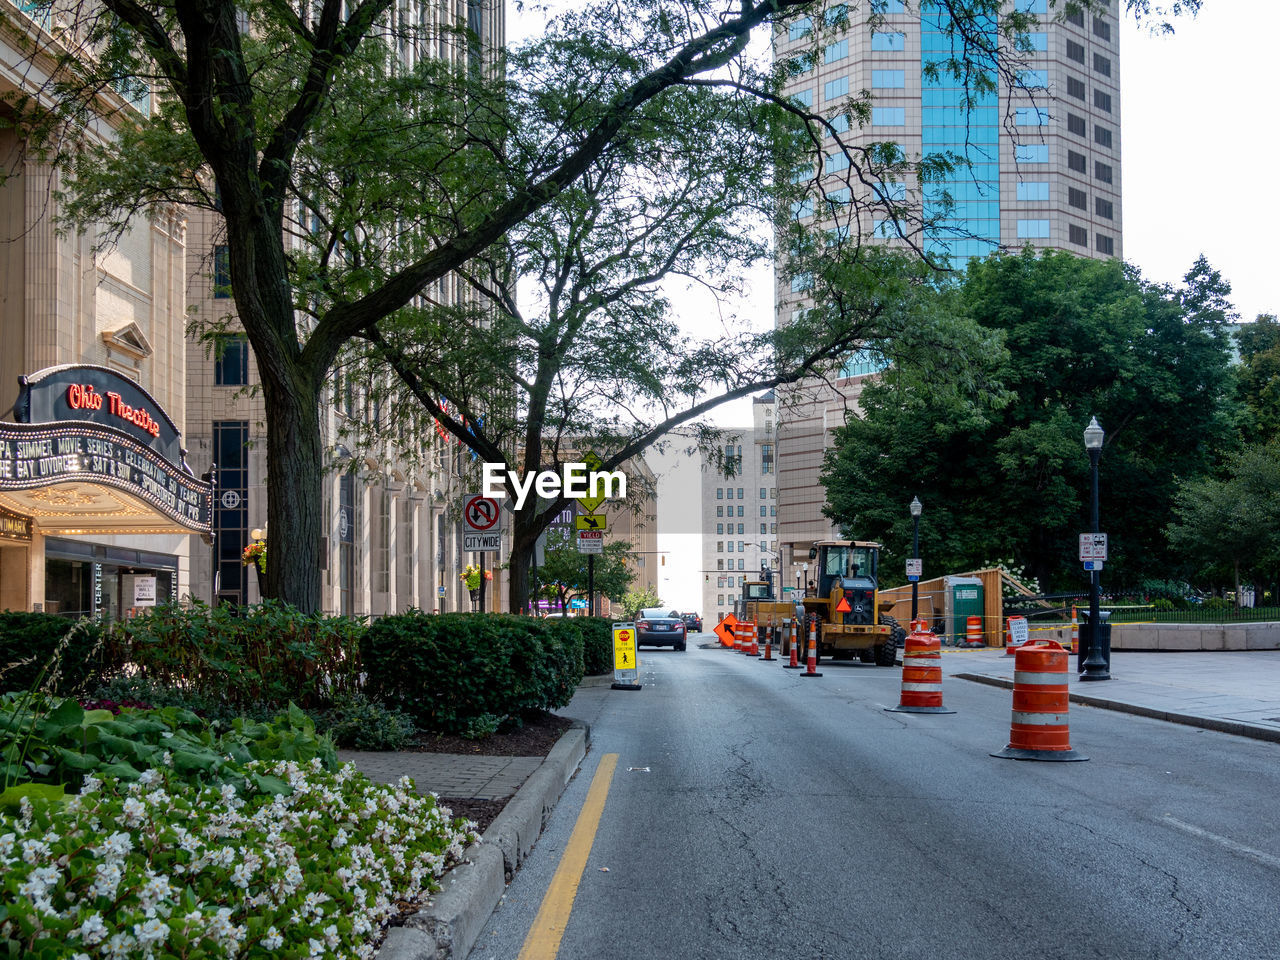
<point x="1197" y="149"/>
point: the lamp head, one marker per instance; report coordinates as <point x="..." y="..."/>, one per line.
<point x="916" y="507"/>
<point x="1093" y="435"/>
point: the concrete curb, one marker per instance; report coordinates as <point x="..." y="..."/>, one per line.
<point x="447" y="928"/>
<point x="1237" y="727"/>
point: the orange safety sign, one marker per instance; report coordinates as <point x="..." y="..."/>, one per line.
<point x="843" y="606"/>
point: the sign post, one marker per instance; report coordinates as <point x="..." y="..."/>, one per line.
<point x="626" y="667"/>
<point x="480" y="532"/>
<point x="1093" y="550"/>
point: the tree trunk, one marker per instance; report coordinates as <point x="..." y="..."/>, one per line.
<point x="295" y="467"/>
<point x="524" y="539"/>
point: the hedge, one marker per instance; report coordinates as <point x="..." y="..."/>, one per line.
<point x="464" y="673"/>
<point x="29" y="641"/>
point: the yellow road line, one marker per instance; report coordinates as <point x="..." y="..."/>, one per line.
<point x="543" y="940"/>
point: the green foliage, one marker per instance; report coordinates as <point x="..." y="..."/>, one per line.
<point x="236" y="658"/>
<point x="1011" y="477"/>
<point x="356" y="721"/>
<point x="597" y="649"/>
<point x="61" y="654"/>
<point x="564" y="569"/>
<point x="1259" y="377"/>
<point x="636" y="600"/>
<point x="460" y="673"/>
<point x="1162" y="604"/>
<point x="58" y="742"/>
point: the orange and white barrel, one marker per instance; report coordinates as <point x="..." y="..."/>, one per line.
<point x="1039" y="729"/>
<point x="921" y="673"/>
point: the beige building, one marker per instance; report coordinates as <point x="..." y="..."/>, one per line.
<point x="1044" y="170"/>
<point x="96" y="499"/>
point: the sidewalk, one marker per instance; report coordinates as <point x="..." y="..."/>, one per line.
<point x="1234" y="692"/>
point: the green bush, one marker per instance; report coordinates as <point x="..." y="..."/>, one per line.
<point x="356" y="721"/>
<point x="1217" y="603"/>
<point x="597" y="644"/>
<point x="462" y="673"/>
<point x="240" y="656"/>
<point x="207" y="704"/>
<point x="32" y="642"/>
<point x="1162" y="604"/>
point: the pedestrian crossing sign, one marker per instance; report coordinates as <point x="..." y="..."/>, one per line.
<point x="625" y="662"/>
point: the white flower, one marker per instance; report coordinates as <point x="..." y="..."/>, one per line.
<point x="153" y="931"/>
<point x="34" y="851"/>
<point x="149" y="777"/>
<point x="107" y="879"/>
<point x="92" y="930"/>
<point x="241" y="875"/>
<point x="117" y="846"/>
<point x="272" y="940"/>
<point x="134" y="810"/>
<point x="120" y="946"/>
<point x="6" y="844"/>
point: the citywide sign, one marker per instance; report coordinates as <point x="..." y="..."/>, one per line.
<point x="90" y="426"/>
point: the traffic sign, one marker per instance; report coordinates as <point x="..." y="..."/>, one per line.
<point x="479" y="513"/>
<point x="1093" y="546"/>
<point x="590" y="541"/>
<point x="481" y="542"/>
<point x="592" y="521"/>
<point x="591" y="502"/>
<point x="625" y="663"/>
<point x="915" y="566"/>
<point x="1093" y="564"/>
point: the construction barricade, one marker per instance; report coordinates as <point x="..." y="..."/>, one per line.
<point x="1039" y="727"/>
<point x="921" y="672"/>
<point x="811" y="662"/>
<point x="973" y="633"/>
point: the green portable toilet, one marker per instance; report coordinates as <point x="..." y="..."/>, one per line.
<point x="964" y="600"/>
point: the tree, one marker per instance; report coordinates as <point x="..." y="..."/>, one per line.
<point x="564" y="570"/>
<point x="1259" y="375"/>
<point x="351" y="180"/>
<point x="1010" y="477"/>
<point x="636" y="600"/>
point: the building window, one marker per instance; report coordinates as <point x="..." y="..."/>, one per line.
<point x="1077" y="162"/>
<point x="381" y="536"/>
<point x="1102" y="171"/>
<point x="1077" y="198"/>
<point x="1077" y="125"/>
<point x="1102" y="100"/>
<point x="1033" y="229"/>
<point x="1101" y="135"/>
<point x="720" y="546"/>
<point x="1101" y="29"/>
<point x="1101" y="64"/>
<point x="801" y="209"/>
<point x="804" y="98"/>
<point x="739" y="511"/>
<point x="740" y="530"/>
<point x="837" y="162"/>
<point x="887" y="117"/>
<point x="720" y="599"/>
<point x="1103" y="208"/>
<point x="1104" y="244"/>
<point x="763" y="530"/>
<point x="763" y="510"/>
<point x="836" y="51"/>
<point x="1031" y="117"/>
<point x="885" y="6"/>
<point x="762" y="495"/>
<point x="773" y="511"/>
<point x="1031" y="153"/>
<point x="1075" y="88"/>
<point x="838" y="124"/>
<point x="720" y="528"/>
<point x="1033" y="191"/>
<point x="888" y="42"/>
<point x="719" y="493"/>
<point x="834" y="89"/>
<point x="720" y="564"/>
<point x="800" y="29"/>
<point x="231" y="514"/>
<point x="346" y="543"/>
<point x="719" y="511"/>
<point x="888" y="79"/>
<point x="1034" y="79"/>
<point x="1033" y="6"/>
<point x="221" y="272"/>
<point x="1075" y="51"/>
<point x="231" y="360"/>
<point x="740" y="496"/>
<point x="730" y="546"/>
<point x="1075" y="16"/>
<point x="766" y="461"/>
<point x="1078" y="235"/>
<point x="1035" y="41"/>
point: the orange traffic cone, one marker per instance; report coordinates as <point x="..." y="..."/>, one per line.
<point x="811" y="668"/>
<point x="768" y="645"/>
<point x="753" y="645"/>
<point x="1075" y="630"/>
<point x="1039" y="728"/>
<point x="921" y="673"/>
<point x="794" y="643"/>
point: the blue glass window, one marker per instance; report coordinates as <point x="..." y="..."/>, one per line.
<point x="885" y="229"/>
<point x="1034" y="79"/>
<point x="888" y="116"/>
<point x="839" y="123"/>
<point x="893" y="192"/>
<point x="836" y="13"/>
<point x="836" y="51"/>
<point x="801" y="281"/>
<point x="838" y="198"/>
<point x="835" y="163"/>
<point x="1031" y="117"/>
<point x="834" y="89"/>
<point x="1034" y="191"/>
<point x="802" y="208"/>
<point x="1031" y="153"/>
<point x="800" y="28"/>
<point x="888" y="78"/>
<point x="1035" y="41"/>
<point x="803" y="97"/>
<point x="1032" y="6"/>
<point x="888" y="42"/>
<point x="221" y="271"/>
<point x="1033" y="229"/>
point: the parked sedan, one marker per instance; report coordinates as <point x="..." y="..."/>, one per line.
<point x="658" y="628"/>
<point x="692" y="622"/>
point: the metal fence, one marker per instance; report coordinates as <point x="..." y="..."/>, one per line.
<point x="1053" y="609"/>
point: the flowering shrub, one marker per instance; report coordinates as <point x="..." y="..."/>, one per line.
<point x="471" y="576"/>
<point x="255" y="555"/>
<point x="163" y="867"/>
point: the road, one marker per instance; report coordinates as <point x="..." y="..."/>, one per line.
<point x="755" y="814"/>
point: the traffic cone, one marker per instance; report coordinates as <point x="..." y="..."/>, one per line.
<point x="811" y="666"/>
<point x="1075" y="630"/>
<point x="793" y="643"/>
<point x="921" y="673"/>
<point x="737" y="637"/>
<point x="768" y="646"/>
<point x="753" y="649"/>
<point x="1039" y="728"/>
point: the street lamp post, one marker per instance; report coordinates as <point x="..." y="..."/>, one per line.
<point x="1095" y="667"/>
<point x="916" y="509"/>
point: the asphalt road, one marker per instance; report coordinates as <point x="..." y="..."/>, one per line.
<point x="755" y="814"/>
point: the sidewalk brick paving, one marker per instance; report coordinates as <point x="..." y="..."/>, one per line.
<point x="447" y="774"/>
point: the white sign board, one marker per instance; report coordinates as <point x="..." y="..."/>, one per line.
<point x="144" y="591"/>
<point x="915" y="566"/>
<point x="590" y="541"/>
<point x="479" y="513"/>
<point x="481" y="542"/>
<point x="1093" y="546"/>
<point x="1018" y="631"/>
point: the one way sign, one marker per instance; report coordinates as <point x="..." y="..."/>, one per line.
<point x="591" y="521"/>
